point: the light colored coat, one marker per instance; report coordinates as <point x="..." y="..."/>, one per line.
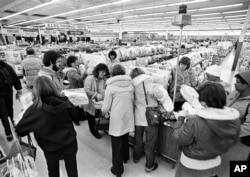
<point x="119" y="99"/>
<point x="93" y="86"/>
<point x="46" y="71"/>
<point x="140" y="101"/>
<point x="239" y="152"/>
<point x="30" y="67"/>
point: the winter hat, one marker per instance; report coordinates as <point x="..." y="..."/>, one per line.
<point x="214" y="70"/>
<point x="246" y="76"/>
<point x="191" y="96"/>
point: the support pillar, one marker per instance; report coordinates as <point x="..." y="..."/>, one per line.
<point x="241" y="39"/>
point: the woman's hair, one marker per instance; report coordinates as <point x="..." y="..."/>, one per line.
<point x="50" y="57"/>
<point x="118" y="70"/>
<point x="43" y="87"/>
<point x="136" y="72"/>
<point x="112" y="52"/>
<point x="71" y="59"/>
<point x="185" y="61"/>
<point x="213" y="94"/>
<point x="100" y="67"/>
<point x="30" y="51"/>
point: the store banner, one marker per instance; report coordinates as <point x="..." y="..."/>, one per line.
<point x="64" y="26"/>
<point x="49" y="32"/>
<point x="74" y="33"/>
<point x="11" y="31"/>
<point x="29" y="34"/>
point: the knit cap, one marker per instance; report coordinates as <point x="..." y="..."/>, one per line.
<point x="214" y="70"/>
<point x="246" y="76"/>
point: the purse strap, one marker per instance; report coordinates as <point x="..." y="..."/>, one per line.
<point x="146" y="99"/>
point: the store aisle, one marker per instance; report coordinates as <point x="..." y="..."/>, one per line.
<point x="94" y="156"/>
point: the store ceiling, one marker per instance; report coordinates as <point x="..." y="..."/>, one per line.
<point x="136" y="15"/>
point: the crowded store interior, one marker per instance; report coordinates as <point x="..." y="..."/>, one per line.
<point x="133" y="88"/>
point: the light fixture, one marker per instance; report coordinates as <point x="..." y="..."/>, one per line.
<point x="187" y="2"/>
<point x="221" y="7"/>
<point x="107" y="19"/>
<point x="235" y="19"/>
<point x="235" y="16"/>
<point x="152" y="7"/>
<point x="205" y="14"/>
<point x="207" y="18"/>
<point x="237" y="11"/>
<point x="27" y="10"/>
<point x="75" y="11"/>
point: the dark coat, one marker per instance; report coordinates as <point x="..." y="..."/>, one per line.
<point x="52" y="124"/>
<point x="8" y="79"/>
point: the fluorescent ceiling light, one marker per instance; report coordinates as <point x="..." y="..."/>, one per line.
<point x="207" y="18"/>
<point x="231" y="12"/>
<point x="221" y="7"/>
<point x="27" y="10"/>
<point x="107" y="19"/>
<point x="235" y="19"/>
<point x="233" y="16"/>
<point x="205" y="14"/>
<point x="150" y="14"/>
<point x="187" y="2"/>
<point x="152" y="7"/>
<point x="75" y="11"/>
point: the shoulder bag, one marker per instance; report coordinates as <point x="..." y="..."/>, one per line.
<point x="153" y="114"/>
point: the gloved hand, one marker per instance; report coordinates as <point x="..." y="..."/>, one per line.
<point x="18" y="94"/>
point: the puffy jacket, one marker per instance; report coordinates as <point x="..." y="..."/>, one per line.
<point x="209" y="134"/>
<point x="119" y="99"/>
<point x="52" y="125"/>
<point x="140" y="101"/>
<point x="30" y="67"/>
<point x="8" y="79"/>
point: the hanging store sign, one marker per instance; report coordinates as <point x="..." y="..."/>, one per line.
<point x="30" y="34"/>
<point x="49" y="32"/>
<point x="12" y="31"/>
<point x="74" y="33"/>
<point x="64" y="26"/>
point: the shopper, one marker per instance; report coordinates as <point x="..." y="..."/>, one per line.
<point x="185" y="76"/>
<point x="52" y="62"/>
<point x="207" y="135"/>
<point x="119" y="100"/>
<point x="143" y="85"/>
<point x="30" y="67"/>
<point x="8" y="79"/>
<point x="50" y="118"/>
<point x="73" y="74"/>
<point x="113" y="60"/>
<point x="95" y="86"/>
<point x="240" y="100"/>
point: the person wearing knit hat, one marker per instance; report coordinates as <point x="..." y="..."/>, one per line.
<point x="213" y="73"/>
<point x="240" y="100"/>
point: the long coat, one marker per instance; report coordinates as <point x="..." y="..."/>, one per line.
<point x="119" y="99"/>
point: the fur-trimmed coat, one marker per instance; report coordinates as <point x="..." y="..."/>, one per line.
<point x="206" y="136"/>
<point x="119" y="100"/>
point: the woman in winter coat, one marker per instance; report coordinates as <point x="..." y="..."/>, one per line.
<point x="119" y="99"/>
<point x="73" y="74"/>
<point x="240" y="100"/>
<point x="50" y="118"/>
<point x="143" y="85"/>
<point x="207" y="135"/>
<point x="185" y="76"/>
<point x="95" y="86"/>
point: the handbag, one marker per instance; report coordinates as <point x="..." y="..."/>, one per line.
<point x="154" y="115"/>
<point x="28" y="148"/>
<point x="102" y="122"/>
<point x="245" y="139"/>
